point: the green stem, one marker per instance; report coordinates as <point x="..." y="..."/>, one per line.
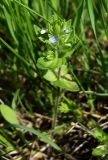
<point x="55" y="109"/>
<point x="94" y="93"/>
<point x="56" y="102"/>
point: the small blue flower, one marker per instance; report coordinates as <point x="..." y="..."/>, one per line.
<point x="53" y="39"/>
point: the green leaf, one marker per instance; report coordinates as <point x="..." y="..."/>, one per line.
<point x="50" y="76"/>
<point x="99" y="151"/>
<point x="30" y="10"/>
<point x="15" y="52"/>
<point x="8" y="114"/>
<point x="44" y="63"/>
<point x="105" y="3"/>
<point x="68" y="85"/>
<point x="63" y="70"/>
<point x="43" y="137"/>
<point x="100" y="135"/>
<point x="90" y="4"/>
<point x="5" y="142"/>
<point x="14" y="100"/>
<point x="102" y="17"/>
<point x="64" y="108"/>
<point x="78" y="17"/>
<point x="10" y="25"/>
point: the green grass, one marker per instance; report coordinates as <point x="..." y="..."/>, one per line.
<point x="21" y="46"/>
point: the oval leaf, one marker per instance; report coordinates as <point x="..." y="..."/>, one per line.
<point x="50" y="76"/>
<point x="68" y="85"/>
<point x="8" y="114"/>
<point x="43" y="63"/>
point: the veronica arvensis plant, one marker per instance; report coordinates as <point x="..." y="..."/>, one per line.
<point x="60" y="43"/>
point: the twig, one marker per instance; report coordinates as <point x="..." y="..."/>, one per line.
<point x="94" y="93"/>
<point x="43" y="117"/>
<point x="43" y="149"/>
<point x="79" y="147"/>
<point x="93" y="114"/>
<point x="103" y="118"/>
<point x="104" y="125"/>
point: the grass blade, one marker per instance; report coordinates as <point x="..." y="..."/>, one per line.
<point x="8" y="19"/>
<point x="31" y="10"/>
<point x="43" y="137"/>
<point x="90" y="4"/>
<point x="14" y="52"/>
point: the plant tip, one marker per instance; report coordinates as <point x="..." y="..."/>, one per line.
<point x="53" y="39"/>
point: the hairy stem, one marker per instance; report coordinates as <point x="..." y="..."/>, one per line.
<point x="55" y="109"/>
<point x="56" y="102"/>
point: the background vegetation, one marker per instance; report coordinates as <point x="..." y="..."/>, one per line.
<point x="28" y="97"/>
